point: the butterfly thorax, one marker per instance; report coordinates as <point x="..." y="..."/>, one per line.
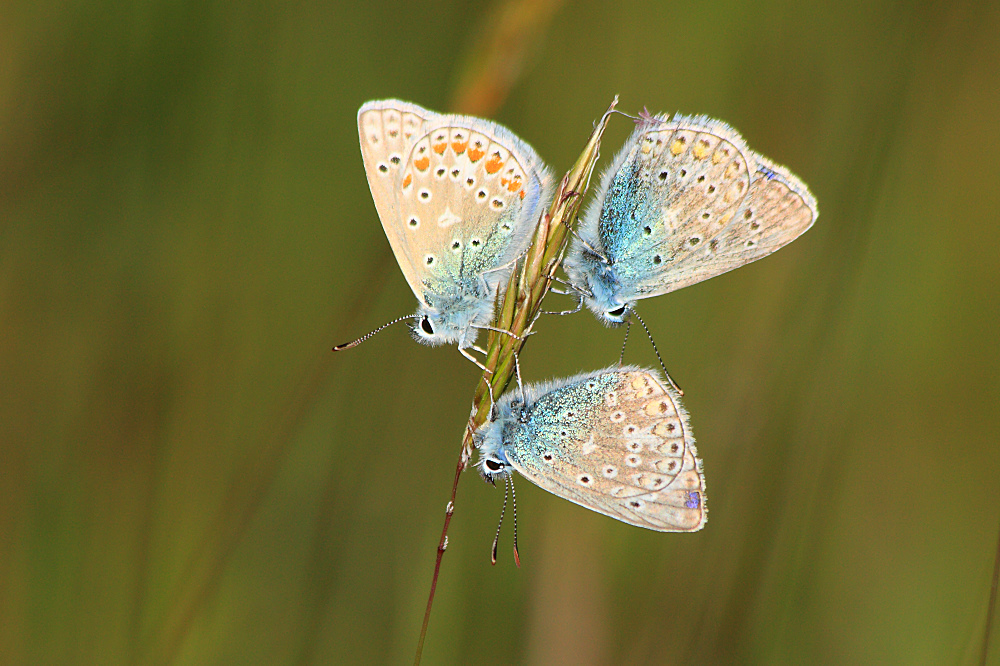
<point x="452" y="319"/>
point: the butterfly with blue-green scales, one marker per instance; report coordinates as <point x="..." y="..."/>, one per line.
<point x="684" y="200"/>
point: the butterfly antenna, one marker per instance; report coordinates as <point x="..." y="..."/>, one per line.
<point x="628" y="327"/>
<point x="513" y="501"/>
<point x="496" y="539"/>
<point x="377" y="330"/>
<point x="658" y="357"/>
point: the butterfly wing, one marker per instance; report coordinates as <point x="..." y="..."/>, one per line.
<point x="617" y="442"/>
<point x="777" y="209"/>
<point x="673" y="205"/>
<point x="387" y="130"/>
<point x="674" y="183"/>
<point x="468" y="194"/>
<point x="460" y="201"/>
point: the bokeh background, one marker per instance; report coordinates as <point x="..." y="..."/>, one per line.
<point x="188" y="475"/>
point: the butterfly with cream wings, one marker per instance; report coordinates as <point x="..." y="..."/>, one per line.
<point x="616" y="441"/>
<point x="685" y="200"/>
<point x="459" y="198"/>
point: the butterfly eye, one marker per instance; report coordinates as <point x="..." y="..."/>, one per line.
<point x="425" y="325"/>
<point x="617" y="312"/>
<point x="493" y="465"/>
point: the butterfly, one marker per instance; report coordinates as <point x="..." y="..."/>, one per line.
<point x="459" y="198"/>
<point x="683" y="201"/>
<point x="616" y="441"/>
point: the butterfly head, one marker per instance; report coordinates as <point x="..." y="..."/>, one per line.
<point x="451" y="321"/>
<point x="493" y="462"/>
<point x="493" y="466"/>
<point x="605" y="300"/>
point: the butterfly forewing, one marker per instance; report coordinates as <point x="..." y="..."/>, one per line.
<point x="617" y="442"/>
<point x="387" y="130"/>
<point x="678" y="184"/>
<point x="778" y="209"/>
<point x="467" y="195"/>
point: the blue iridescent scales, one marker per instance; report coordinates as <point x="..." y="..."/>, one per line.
<point x="684" y="200"/>
<point x="616" y="441"/>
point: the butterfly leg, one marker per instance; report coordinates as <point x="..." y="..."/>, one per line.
<point x="472" y="358"/>
<point x="575" y="288"/>
<point x="502" y="267"/>
<point x="520" y="384"/>
<point x="517" y="373"/>
<point x="493" y="401"/>
<point x="579" y="306"/>
<point x="504" y="331"/>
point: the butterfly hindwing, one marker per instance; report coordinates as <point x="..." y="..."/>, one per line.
<point x="777" y="209"/>
<point x="616" y="441"/>
<point x="387" y="131"/>
<point x="468" y="196"/>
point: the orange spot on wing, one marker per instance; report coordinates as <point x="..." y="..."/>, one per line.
<point x="439" y="148"/>
<point x="475" y="154"/>
<point x="459" y="146"/>
<point x="515" y="184"/>
<point x="522" y="194"/>
<point x="422" y="163"/>
<point x="407" y="180"/>
<point x="495" y="164"/>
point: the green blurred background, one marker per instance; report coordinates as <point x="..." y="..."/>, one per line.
<point x="188" y="475"/>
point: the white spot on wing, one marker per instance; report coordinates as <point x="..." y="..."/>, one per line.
<point x="448" y="218"/>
